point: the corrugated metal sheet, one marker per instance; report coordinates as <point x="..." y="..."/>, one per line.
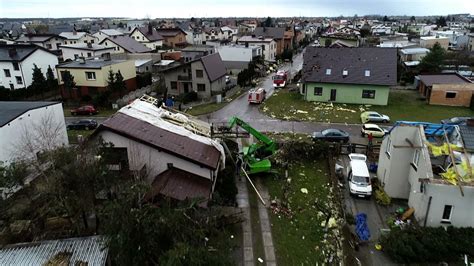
<point x="84" y="249"/>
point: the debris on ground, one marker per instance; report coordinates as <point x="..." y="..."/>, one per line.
<point x="304" y="190"/>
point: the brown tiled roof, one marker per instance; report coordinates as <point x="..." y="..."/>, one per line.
<point x="275" y="33"/>
<point x="161" y="139"/>
<point x="179" y="184"/>
<point x="214" y="66"/>
<point x="166" y="32"/>
<point x="153" y="36"/>
<point x="381" y="62"/>
<point x="429" y="80"/>
<point x="128" y="43"/>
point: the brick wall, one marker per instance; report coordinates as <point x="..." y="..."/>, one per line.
<point x="463" y="94"/>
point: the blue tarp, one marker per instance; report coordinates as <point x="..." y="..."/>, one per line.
<point x="362" y="230"/>
<point x="431" y="129"/>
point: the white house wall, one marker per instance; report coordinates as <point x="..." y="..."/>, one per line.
<point x="69" y="53"/>
<point x="156" y="161"/>
<point x="43" y="60"/>
<point x="232" y="53"/>
<point x="13" y="134"/>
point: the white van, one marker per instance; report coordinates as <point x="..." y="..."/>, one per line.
<point x="358" y="176"/>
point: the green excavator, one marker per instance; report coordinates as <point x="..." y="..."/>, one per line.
<point x="256" y="155"/>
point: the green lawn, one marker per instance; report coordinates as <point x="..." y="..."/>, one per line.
<point x="72" y="134"/>
<point x="402" y="105"/>
<point x="299" y="240"/>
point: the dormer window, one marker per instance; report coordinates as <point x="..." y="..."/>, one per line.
<point x="367" y="73"/>
<point x="345" y="72"/>
<point x="328" y="71"/>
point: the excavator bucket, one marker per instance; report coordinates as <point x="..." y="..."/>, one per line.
<point x="259" y="166"/>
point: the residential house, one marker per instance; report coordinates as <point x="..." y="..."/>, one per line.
<point x="470" y="45"/>
<point x="91" y="75"/>
<point x="277" y="34"/>
<point x="205" y="75"/>
<point x="125" y="44"/>
<point x="214" y="33"/>
<point x="76" y="37"/>
<point x="17" y="62"/>
<point x="268" y="45"/>
<point x="415" y="164"/>
<point x="88" y="250"/>
<point x="446" y="89"/>
<point x="429" y="42"/>
<point x="47" y="41"/>
<point x="106" y="33"/>
<point x="173" y="37"/>
<point x="246" y="28"/>
<point x="172" y="151"/>
<point x="411" y="57"/>
<point x="349" y="75"/>
<point x="231" y="32"/>
<point x="39" y="124"/>
<point x="74" y="51"/>
<point x="148" y="36"/>
<point x="237" y="57"/>
<point x="380" y="29"/>
<point x="341" y="44"/>
<point x="191" y="53"/>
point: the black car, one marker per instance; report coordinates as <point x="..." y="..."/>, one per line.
<point x="331" y="135"/>
<point x="458" y="120"/>
<point x="83" y="124"/>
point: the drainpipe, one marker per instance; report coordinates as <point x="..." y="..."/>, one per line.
<point x="427" y="211"/>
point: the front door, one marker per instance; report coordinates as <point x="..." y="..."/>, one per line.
<point x="333" y="95"/>
<point x="186" y="87"/>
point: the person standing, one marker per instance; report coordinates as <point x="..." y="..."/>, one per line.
<point x="371" y="138"/>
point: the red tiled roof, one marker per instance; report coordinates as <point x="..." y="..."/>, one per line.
<point x="148" y="134"/>
<point x="179" y="184"/>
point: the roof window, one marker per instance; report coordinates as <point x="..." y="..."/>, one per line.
<point x="328" y="71"/>
<point x="367" y="73"/>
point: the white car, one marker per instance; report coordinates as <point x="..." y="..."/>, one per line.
<point x="372" y="116"/>
<point x="359" y="176"/>
<point x="373" y="129"/>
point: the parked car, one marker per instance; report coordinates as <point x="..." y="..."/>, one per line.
<point x="331" y="135"/>
<point x="376" y="131"/>
<point x="84" y="110"/>
<point x="458" y="120"/>
<point x="359" y="176"/>
<point x="372" y="116"/>
<point x="83" y="124"/>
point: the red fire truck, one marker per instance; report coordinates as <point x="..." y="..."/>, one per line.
<point x="280" y="79"/>
<point x="257" y="95"/>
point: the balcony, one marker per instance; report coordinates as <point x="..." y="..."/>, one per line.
<point x="185" y="77"/>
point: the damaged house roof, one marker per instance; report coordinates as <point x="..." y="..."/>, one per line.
<point x="381" y="64"/>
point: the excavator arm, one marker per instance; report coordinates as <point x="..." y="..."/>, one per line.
<point x="269" y="144"/>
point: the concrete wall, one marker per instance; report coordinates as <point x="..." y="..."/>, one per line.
<point x="347" y="93"/>
<point x="127" y="69"/>
<point x="429" y="43"/>
<point x="463" y="94"/>
<point x="70" y="53"/>
<point x="269" y="49"/>
<point x="30" y="125"/>
<point x="156" y="161"/>
<point x="240" y="54"/>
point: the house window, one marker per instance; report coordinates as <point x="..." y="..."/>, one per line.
<point x="388" y="148"/>
<point x="90" y="75"/>
<point x="16" y="66"/>
<point x="85" y="41"/>
<point x="199" y="73"/>
<point x="318" y="91"/>
<point x="7" y="73"/>
<point x="368" y="94"/>
<point x="448" y="210"/>
<point x="89" y="54"/>
<point x="345" y="72"/>
<point x="61" y="73"/>
<point x="19" y="80"/>
<point x="92" y="41"/>
<point x="328" y="71"/>
<point x="416" y="159"/>
<point x="367" y="73"/>
<point x="174" y="85"/>
<point x="450" y="94"/>
<point x="201" y="87"/>
<point x="49" y="46"/>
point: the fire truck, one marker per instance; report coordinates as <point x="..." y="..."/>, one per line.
<point x="257" y="95"/>
<point x="280" y="79"/>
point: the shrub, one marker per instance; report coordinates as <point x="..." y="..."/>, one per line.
<point x="188" y="97"/>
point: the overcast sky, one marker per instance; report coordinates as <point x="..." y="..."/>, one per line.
<point x="228" y="8"/>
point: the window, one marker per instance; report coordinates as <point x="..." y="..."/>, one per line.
<point x="328" y="71"/>
<point x="367" y="73"/>
<point x="85" y="41"/>
<point x="49" y="46"/>
<point x="7" y="73"/>
<point x="368" y="94"/>
<point x="16" y="66"/>
<point x="89" y="54"/>
<point x="450" y="94"/>
<point x="92" y="41"/>
<point x="90" y="75"/>
<point x="388" y="148"/>
<point x="19" y="80"/>
<point x="345" y="72"/>
<point x="174" y="85"/>
<point x="318" y="91"/>
<point x="61" y="73"/>
<point x="416" y="159"/>
<point x="201" y="87"/>
<point x="199" y="73"/>
<point x="448" y="210"/>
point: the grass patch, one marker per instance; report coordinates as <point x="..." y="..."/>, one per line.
<point x="72" y="134"/>
<point x="299" y="240"/>
<point x="402" y="105"/>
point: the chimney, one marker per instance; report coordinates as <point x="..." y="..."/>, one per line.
<point x="12" y="52"/>
<point x="150" y="29"/>
<point x="74" y="32"/>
